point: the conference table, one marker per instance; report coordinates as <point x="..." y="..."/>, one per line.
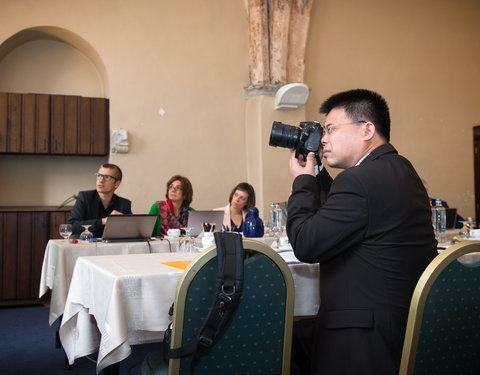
<point x="115" y="301"/>
<point x="113" y="295"/>
<point x="61" y="255"/>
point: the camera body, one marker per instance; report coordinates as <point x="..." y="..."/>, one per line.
<point x="304" y="139"/>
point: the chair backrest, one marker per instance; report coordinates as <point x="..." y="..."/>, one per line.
<point x="443" y="328"/>
<point x="258" y="338"/>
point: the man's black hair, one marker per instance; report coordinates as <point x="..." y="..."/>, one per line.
<point x="362" y="105"/>
<point x="116" y="168"/>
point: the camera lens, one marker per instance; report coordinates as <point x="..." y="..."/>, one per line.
<point x="283" y="135"/>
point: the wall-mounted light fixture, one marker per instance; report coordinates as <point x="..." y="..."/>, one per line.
<point x="291" y="95"/>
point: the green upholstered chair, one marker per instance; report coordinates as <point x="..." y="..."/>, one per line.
<point x="443" y="329"/>
<point x="258" y="339"/>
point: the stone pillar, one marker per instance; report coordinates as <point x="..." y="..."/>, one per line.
<point x="278" y="31"/>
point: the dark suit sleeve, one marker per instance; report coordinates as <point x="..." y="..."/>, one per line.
<point x="79" y="214"/>
<point x="324" y="181"/>
<point x="126" y="206"/>
<point x="318" y="233"/>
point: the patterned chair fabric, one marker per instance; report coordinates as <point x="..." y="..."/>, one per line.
<point x="443" y="329"/>
<point x="258" y="338"/>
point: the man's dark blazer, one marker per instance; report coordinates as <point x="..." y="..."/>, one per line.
<point x="373" y="238"/>
<point x="88" y="210"/>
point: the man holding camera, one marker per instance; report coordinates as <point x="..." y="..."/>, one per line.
<point x="372" y="236"/>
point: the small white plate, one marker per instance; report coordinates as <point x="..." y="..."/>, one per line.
<point x="171" y="238"/>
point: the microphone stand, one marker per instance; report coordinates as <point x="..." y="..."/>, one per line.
<point x="67" y="201"/>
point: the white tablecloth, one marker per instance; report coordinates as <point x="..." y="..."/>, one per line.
<point x="117" y="301"/>
<point x="60" y="258"/>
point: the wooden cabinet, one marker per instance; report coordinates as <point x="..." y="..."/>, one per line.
<point x="35" y="124"/>
<point x="53" y="124"/>
<point x="24" y="234"/>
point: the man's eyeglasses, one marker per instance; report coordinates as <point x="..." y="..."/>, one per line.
<point x="328" y="129"/>
<point x="105" y="176"/>
<point x="177" y="187"/>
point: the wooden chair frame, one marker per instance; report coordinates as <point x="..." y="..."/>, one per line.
<point x="420" y="294"/>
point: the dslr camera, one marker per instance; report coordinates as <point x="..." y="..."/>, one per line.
<point x="304" y="139"/>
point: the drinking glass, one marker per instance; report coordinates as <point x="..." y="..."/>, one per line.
<point x="86" y="235"/>
<point x="187" y="243"/>
<point x="465" y="231"/>
<point x="65" y="231"/>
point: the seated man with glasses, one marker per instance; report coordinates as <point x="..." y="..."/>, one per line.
<point x="93" y="206"/>
<point x="173" y="212"/>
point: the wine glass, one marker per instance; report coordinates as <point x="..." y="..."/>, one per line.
<point x="86" y="235"/>
<point x="65" y="231"/>
<point x="187" y="243"/>
<point x="465" y="231"/>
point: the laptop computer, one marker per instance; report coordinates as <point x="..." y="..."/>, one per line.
<point x="197" y="218"/>
<point x="128" y="228"/>
<point x="451" y="216"/>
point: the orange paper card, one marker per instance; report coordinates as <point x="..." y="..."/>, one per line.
<point x="180" y="264"/>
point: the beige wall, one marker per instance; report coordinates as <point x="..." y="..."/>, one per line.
<point x="424" y="58"/>
<point x="190" y="58"/>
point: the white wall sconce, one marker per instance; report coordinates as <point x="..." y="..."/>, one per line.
<point x="292" y="95"/>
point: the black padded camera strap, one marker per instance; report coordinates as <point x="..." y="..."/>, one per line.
<point x="227" y="293"/>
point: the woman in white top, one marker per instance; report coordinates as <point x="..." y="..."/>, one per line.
<point x="241" y="199"/>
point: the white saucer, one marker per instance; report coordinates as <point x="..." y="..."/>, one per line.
<point x="172" y="238"/>
<point x="283" y="248"/>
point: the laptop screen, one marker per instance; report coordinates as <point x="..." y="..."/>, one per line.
<point x="197" y="218"/>
<point x="128" y="227"/>
<point x="451" y="216"/>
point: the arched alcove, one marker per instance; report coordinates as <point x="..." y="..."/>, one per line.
<point x="51" y="60"/>
<point x="55" y="61"/>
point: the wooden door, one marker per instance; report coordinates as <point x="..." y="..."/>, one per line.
<point x="14" y="123"/>
<point x="57" y="124"/>
<point x="35" y="124"/>
<point x="100" y="133"/>
<point x="42" y="124"/>
<point x="3" y="121"/>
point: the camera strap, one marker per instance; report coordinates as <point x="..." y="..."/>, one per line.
<point x="226" y="297"/>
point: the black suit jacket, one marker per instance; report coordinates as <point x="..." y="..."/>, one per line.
<point x="88" y="210"/>
<point x="373" y="238"/>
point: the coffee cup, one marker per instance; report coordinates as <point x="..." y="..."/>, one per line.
<point x="173" y="233"/>
<point x="284" y="241"/>
<point x="208" y="239"/>
<point x="475" y="233"/>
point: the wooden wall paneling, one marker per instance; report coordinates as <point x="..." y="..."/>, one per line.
<point x="24" y="255"/>
<point x="56" y="218"/>
<point x="9" y="267"/>
<point x="86" y="135"/>
<point x="40" y="230"/>
<point x="3" y="121"/>
<point x="57" y="124"/>
<point x="72" y="136"/>
<point x="29" y="116"/>
<point x="42" y="145"/>
<point x="100" y="127"/>
<point x="14" y="123"/>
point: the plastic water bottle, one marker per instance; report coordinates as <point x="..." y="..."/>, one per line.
<point x="277" y="219"/>
<point x="439" y="221"/>
<point x="270" y="224"/>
